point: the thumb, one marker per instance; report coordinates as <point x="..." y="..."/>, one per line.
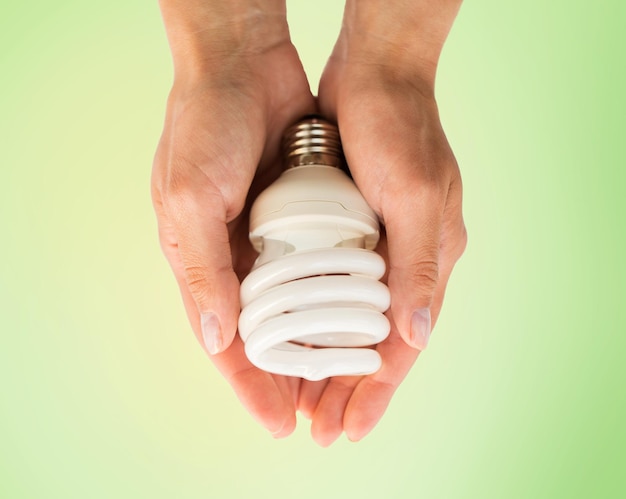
<point x="413" y="226"/>
<point x="195" y="240"/>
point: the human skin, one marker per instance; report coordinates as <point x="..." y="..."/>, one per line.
<point x="238" y="83"/>
<point x="378" y="85"/>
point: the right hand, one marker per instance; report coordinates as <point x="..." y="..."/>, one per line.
<point x="219" y="148"/>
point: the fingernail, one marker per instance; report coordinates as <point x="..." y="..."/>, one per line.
<point x="211" y="332"/>
<point x="420" y="328"/>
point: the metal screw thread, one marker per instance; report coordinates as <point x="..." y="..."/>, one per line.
<point x="312" y="141"/>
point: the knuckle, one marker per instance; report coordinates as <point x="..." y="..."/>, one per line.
<point x="180" y="182"/>
<point x="176" y="187"/>
<point x="425" y="183"/>
<point x="199" y="283"/>
<point x="425" y="274"/>
<point x="188" y="188"/>
<point x="186" y="196"/>
<point x="458" y="243"/>
<point x="415" y="194"/>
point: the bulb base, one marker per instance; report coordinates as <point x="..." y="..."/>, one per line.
<point x="312" y="141"/>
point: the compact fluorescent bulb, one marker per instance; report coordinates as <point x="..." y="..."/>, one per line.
<point x="313" y="302"/>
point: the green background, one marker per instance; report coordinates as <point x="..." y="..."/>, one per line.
<point x="521" y="394"/>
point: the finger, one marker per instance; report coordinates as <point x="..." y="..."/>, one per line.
<point x="262" y="395"/>
<point x="267" y="398"/>
<point x="289" y="387"/>
<point x="196" y="243"/>
<point x="372" y="395"/>
<point x="310" y="394"/>
<point x="327" y="424"/>
<point x="413" y="219"/>
<point x="293" y="385"/>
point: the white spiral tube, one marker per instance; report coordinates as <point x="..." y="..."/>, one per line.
<point x="313" y="302"/>
<point x="299" y="321"/>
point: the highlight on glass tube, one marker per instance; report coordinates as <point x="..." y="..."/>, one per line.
<point x="313" y="305"/>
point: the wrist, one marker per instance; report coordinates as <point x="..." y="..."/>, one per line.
<point x="209" y="36"/>
<point x="404" y="39"/>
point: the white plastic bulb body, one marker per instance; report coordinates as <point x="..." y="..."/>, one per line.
<point x="313" y="302"/>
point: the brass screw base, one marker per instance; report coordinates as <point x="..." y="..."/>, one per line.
<point x="312" y="141"/>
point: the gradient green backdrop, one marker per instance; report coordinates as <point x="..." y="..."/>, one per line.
<point x="104" y="392"/>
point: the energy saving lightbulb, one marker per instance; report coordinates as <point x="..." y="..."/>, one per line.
<point x="313" y="303"/>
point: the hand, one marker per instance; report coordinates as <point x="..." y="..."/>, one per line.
<point x="401" y="161"/>
<point x="229" y="104"/>
<point x="238" y="85"/>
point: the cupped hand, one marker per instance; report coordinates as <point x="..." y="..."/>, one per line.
<point x="400" y="159"/>
<point x="218" y="150"/>
<point x="238" y="85"/>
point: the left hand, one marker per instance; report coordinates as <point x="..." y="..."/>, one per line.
<point x="401" y="161"/>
